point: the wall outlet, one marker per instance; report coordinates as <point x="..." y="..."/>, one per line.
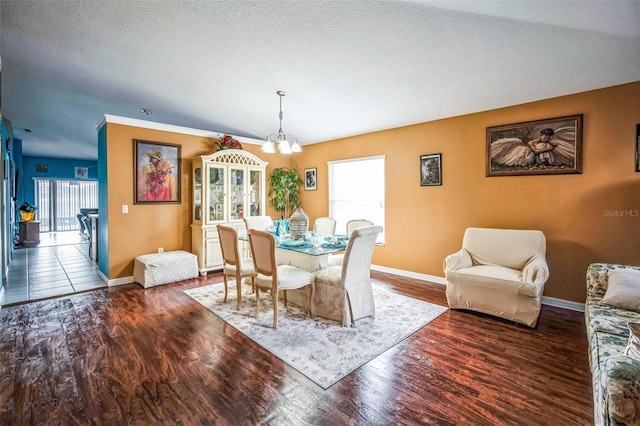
<point x="160" y="250"/>
<point x="125" y="208"/>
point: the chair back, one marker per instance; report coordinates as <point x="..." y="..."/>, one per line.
<point x="263" y="251"/>
<point x="229" y="245"/>
<point x="83" y="227"/>
<point x="87" y="226"/>
<point x="325" y="226"/>
<point x="354" y="224"/>
<point x="258" y="222"/>
<point x="356" y="266"/>
<point x="511" y="248"/>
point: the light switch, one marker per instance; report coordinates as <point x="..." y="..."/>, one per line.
<point x="125" y="208"/>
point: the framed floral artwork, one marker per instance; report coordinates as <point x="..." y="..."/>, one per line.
<point x="542" y="147"/>
<point x="156" y="172"/>
<point x="431" y="170"/>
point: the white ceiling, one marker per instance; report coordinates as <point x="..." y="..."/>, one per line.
<point x="348" y="67"/>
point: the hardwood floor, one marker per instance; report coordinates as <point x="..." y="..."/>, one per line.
<point x="131" y="356"/>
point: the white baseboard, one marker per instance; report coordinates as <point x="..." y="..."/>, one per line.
<point x="551" y="301"/>
<point x="409" y="274"/>
<point x="119" y="281"/>
<point x="561" y="303"/>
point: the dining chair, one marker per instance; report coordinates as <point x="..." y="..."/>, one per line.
<point x="233" y="265"/>
<point x="344" y="292"/>
<point x="352" y="225"/>
<point x="276" y="278"/>
<point x="258" y="222"/>
<point x="324" y="226"/>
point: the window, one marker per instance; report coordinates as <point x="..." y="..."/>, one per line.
<point x="356" y="191"/>
<point x="59" y="202"/>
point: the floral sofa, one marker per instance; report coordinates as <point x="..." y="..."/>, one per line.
<point x="616" y="376"/>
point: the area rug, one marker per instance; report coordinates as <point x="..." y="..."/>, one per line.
<point x="320" y="348"/>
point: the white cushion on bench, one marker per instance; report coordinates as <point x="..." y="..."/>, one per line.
<point x="163" y="268"/>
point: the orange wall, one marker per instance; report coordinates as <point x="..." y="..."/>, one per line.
<point x="424" y="224"/>
<point x="149" y="226"/>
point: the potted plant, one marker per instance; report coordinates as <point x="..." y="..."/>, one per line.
<point x="284" y="194"/>
<point x="27" y="211"/>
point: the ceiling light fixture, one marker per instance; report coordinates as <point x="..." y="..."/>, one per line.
<point x="286" y="143"/>
<point x="145" y="111"/>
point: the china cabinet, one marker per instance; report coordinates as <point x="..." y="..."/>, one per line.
<point x="228" y="185"/>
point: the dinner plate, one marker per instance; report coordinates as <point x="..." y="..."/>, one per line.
<point x="333" y="246"/>
<point x="296" y="243"/>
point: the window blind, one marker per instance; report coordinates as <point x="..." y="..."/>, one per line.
<point x="357" y="191"/>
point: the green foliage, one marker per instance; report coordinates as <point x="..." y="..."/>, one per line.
<point x="284" y="191"/>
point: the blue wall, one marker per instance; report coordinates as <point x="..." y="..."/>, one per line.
<point x="103" y="204"/>
<point x="57" y="168"/>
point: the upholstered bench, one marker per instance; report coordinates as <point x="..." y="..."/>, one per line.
<point x="163" y="268"/>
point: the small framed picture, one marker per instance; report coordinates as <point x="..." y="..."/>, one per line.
<point x="81" y="172"/>
<point x="637" y="147"/>
<point x="310" y="180"/>
<point x="431" y="170"/>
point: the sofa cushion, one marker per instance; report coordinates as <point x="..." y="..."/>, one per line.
<point x="623" y="389"/>
<point x="607" y="319"/>
<point x="623" y="290"/>
<point x="633" y="344"/>
<point x="489" y="276"/>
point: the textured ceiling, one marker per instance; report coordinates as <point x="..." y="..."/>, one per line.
<point x="348" y="67"/>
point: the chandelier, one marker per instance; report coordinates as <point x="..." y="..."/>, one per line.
<point x="286" y="143"/>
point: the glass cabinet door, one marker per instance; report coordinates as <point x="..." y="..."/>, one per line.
<point x="236" y="193"/>
<point x="216" y="194"/>
<point x="255" y="193"/>
<point x="197" y="193"/>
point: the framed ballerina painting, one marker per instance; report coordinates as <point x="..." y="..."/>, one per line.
<point x="638" y="148"/>
<point x="543" y="147"/>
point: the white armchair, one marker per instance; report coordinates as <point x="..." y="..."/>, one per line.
<point x="499" y="272"/>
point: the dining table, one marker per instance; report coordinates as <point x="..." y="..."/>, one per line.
<point x="307" y="254"/>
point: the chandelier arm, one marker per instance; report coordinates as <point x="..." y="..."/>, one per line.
<point x="286" y="143"/>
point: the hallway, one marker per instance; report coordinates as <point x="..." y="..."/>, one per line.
<point x="58" y="266"/>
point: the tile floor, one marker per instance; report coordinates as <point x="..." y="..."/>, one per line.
<point x="59" y="265"/>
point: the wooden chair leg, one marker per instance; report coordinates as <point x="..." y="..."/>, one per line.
<point x="275" y="308"/>
<point x="239" y="292"/>
<point x="350" y="310"/>
<point x="226" y="288"/>
<point x="257" y="302"/>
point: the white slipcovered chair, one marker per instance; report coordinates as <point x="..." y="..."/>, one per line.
<point x="276" y="278"/>
<point x="260" y="223"/>
<point x="500" y="272"/>
<point x="233" y="265"/>
<point x="324" y="226"/>
<point x="344" y="292"/>
<point x="352" y="225"/>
